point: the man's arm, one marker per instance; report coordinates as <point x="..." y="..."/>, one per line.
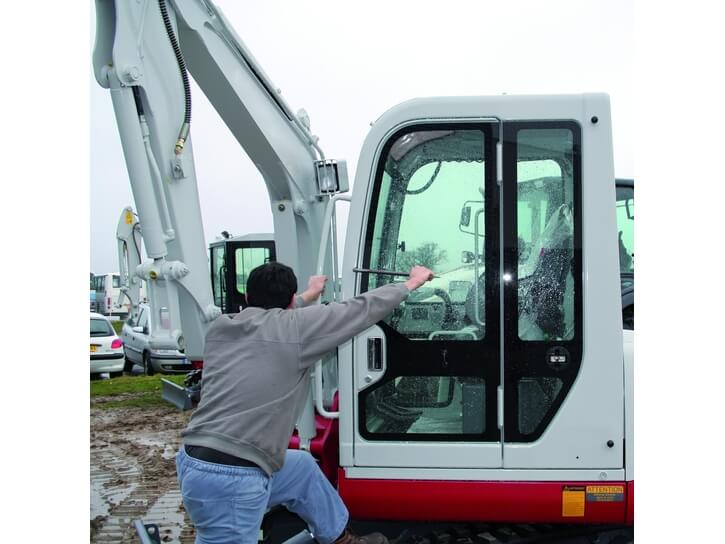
<point x="324" y="327"/>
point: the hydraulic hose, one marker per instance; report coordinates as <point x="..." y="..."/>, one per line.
<point x="184" y="132"/>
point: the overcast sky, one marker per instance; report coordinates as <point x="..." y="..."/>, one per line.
<point x="373" y="56"/>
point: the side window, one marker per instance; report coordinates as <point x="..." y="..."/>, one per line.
<point x="543" y="310"/>
<point x="545" y="229"/>
<point x="625" y="226"/>
<point x="217" y="275"/>
<point x="143" y="319"/>
<point x="247" y="259"/>
<point x="116" y="281"/>
<point x="430" y="212"/>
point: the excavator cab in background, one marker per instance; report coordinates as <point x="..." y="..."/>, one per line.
<point x="231" y="260"/>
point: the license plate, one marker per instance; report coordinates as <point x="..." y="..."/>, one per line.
<point x="94" y="348"/>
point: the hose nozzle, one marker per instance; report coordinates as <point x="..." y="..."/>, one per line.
<point x="183" y="135"/>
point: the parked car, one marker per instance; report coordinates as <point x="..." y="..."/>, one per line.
<point x="135" y="335"/>
<point x="106" y="348"/>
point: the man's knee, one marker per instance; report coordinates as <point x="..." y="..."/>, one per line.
<point x="301" y="461"/>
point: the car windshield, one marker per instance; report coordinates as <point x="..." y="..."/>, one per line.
<point x="101" y="327"/>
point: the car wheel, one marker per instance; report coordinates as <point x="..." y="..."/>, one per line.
<point x="95" y="376"/>
<point x="115" y="374"/>
<point x="127" y="364"/>
<point x="147" y="368"/>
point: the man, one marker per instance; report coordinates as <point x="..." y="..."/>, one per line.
<point x="234" y="461"/>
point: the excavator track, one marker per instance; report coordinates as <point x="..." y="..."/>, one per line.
<point x="280" y="525"/>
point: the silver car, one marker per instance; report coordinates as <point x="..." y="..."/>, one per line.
<point x="135" y="335"/>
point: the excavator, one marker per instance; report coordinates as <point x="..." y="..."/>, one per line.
<point x="501" y="392"/>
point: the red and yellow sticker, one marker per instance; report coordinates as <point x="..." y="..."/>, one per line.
<point x="575" y="497"/>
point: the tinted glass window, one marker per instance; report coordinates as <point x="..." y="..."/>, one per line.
<point x="430" y="212"/>
<point x="428" y="405"/>
<point x="247" y="259"/>
<point x="101" y="327"/>
<point x="625" y="226"/>
<point x="545" y="228"/>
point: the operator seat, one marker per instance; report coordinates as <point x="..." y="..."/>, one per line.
<point x="541" y="298"/>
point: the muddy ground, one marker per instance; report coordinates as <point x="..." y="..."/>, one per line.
<point x="133" y="475"/>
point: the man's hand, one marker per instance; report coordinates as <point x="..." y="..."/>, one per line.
<point x="315" y="287"/>
<point x="418" y="276"/>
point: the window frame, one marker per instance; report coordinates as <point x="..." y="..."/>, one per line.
<point x="460" y="361"/>
<point x="528" y="358"/>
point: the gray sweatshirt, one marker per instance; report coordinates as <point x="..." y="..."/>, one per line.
<point x="256" y="371"/>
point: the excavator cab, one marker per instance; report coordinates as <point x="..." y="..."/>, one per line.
<point x="492" y="375"/>
<point x="231" y="260"/>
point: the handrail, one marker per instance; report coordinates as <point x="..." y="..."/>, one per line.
<point x="317" y="371"/>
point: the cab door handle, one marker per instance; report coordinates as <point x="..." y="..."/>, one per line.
<point x="375" y="354"/>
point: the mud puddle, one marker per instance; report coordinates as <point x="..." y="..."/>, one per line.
<point x="133" y="474"/>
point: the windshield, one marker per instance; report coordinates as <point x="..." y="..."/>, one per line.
<point x="101" y="327"/>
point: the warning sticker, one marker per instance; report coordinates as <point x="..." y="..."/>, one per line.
<point x="605" y="493"/>
<point x="129" y="218"/>
<point x="573" y="501"/>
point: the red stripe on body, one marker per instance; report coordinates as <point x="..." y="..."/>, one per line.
<point x="492" y="501"/>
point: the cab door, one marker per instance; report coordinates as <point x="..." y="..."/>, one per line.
<point x="428" y="375"/>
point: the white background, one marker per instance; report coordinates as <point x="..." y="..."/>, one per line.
<point x="676" y="117"/>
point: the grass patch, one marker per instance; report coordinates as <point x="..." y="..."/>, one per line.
<point x="117" y="326"/>
<point x="132" y="391"/>
<point x="132" y="384"/>
<point x="142" y="400"/>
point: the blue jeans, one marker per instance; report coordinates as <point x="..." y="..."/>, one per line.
<point x="226" y="504"/>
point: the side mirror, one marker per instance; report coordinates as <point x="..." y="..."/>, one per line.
<point x="465" y="216"/>
<point x="471" y="221"/>
<point x="138" y="329"/>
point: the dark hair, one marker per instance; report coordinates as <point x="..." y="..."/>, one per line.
<point x="271" y="285"/>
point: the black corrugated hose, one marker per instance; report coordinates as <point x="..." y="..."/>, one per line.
<point x="183" y="134"/>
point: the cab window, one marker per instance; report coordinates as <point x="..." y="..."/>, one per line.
<point x="430" y="213"/>
<point x="247" y="259"/>
<point x="625" y="228"/>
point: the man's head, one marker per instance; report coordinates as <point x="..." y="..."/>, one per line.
<point x="271" y="285"/>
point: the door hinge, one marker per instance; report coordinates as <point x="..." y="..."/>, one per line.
<point x="499" y="406"/>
